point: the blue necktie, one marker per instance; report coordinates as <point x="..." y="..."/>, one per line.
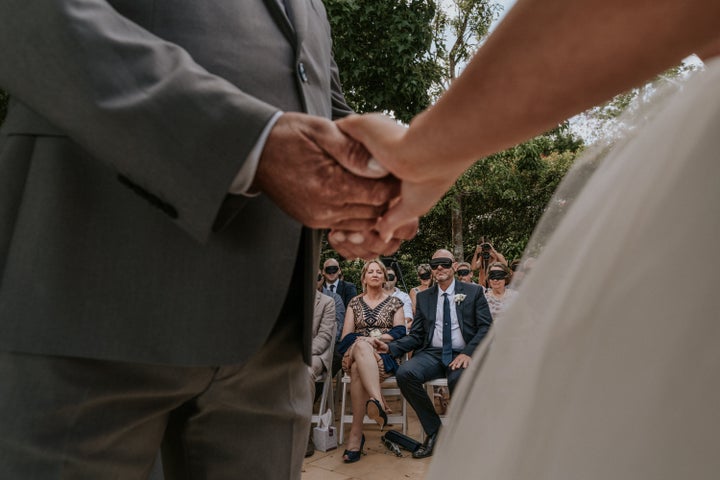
<point x="447" y="332"/>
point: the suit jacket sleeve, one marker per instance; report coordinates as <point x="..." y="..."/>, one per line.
<point x="131" y="99"/>
<point x="483" y="322"/>
<point x="414" y="339"/>
<point x="325" y="335"/>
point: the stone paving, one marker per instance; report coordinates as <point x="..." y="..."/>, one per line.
<point x="377" y="464"/>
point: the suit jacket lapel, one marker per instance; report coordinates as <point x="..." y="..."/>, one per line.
<point x="431" y="308"/>
<point x="282" y="19"/>
<point x="297" y="12"/>
<point x="459" y="289"/>
<point x="316" y="317"/>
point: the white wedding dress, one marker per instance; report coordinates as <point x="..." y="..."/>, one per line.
<point x="607" y="366"/>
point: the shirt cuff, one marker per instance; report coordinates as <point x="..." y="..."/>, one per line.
<point x="245" y="177"/>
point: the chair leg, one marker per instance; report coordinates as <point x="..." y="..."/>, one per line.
<point x="404" y="415"/>
<point x="330" y="401"/>
<point x="323" y="397"/>
<point x="341" y="437"/>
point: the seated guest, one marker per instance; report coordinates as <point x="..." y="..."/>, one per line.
<point x="323" y="346"/>
<point x="372" y="316"/>
<point x="335" y="283"/>
<point x="451" y="319"/>
<point x="424" y="273"/>
<point x="497" y="295"/>
<point x="464" y="272"/>
<point x="339" y="318"/>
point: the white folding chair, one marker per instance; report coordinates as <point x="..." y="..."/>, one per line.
<point x="326" y="398"/>
<point x="388" y="388"/>
<point x="429" y="386"/>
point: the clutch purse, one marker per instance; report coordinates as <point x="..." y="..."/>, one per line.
<point x="401" y="440"/>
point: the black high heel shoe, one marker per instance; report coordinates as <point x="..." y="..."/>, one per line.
<point x="354" y="456"/>
<point x="375" y="411"/>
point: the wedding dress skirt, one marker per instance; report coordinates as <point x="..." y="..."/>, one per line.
<point x="607" y="366"/>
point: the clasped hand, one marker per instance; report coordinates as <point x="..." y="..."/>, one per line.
<point x="325" y="179"/>
<point x="360" y="177"/>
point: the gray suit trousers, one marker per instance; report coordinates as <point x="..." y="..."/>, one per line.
<point x="72" y="418"/>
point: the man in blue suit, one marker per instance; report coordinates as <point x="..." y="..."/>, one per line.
<point x="333" y="282"/>
<point x="451" y="318"/>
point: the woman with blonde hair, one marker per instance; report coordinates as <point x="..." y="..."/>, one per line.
<point x="373" y="315"/>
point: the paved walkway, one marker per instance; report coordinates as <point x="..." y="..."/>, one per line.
<point x="377" y="464"/>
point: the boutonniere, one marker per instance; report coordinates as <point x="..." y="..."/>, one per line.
<point x="459" y="298"/>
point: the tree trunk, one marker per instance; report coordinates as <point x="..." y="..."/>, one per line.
<point x="457" y="228"/>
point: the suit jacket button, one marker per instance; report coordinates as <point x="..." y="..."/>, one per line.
<point x="302" y="73"/>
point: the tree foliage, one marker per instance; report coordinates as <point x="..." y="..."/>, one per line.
<point x="382" y="49"/>
<point x="503" y="197"/>
<point x="459" y="29"/>
<point x="607" y="122"/>
<point x="396" y="56"/>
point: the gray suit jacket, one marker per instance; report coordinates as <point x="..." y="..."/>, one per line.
<point x="473" y="316"/>
<point x="129" y="121"/>
<point x="324" y="328"/>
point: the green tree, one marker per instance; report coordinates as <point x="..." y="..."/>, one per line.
<point x="607" y="122"/>
<point x="502" y="198"/>
<point x="396" y="57"/>
<point x="382" y="50"/>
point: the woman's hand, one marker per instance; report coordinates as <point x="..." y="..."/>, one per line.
<point x="423" y="182"/>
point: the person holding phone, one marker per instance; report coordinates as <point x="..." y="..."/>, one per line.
<point x="484" y="255"/>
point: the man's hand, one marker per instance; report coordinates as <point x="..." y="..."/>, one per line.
<point x="461" y="361"/>
<point x="355" y="244"/>
<point x="325" y="179"/>
<point x="380" y="346"/>
<point x="306" y="169"/>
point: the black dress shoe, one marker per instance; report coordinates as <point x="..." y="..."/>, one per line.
<point x="352" y="456"/>
<point x="426" y="449"/>
<point x="374" y="410"/>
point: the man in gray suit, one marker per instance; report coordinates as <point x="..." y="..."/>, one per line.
<point x="133" y="281"/>
<point x="323" y="346"/>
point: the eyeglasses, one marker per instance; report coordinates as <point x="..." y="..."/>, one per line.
<point x="332" y="269"/>
<point x="391" y="277"/>
<point x="463" y="273"/>
<point x="425" y="276"/>
<point x="441" y="262"/>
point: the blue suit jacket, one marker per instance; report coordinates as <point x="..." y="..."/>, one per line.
<point x="473" y="315"/>
<point x="347" y="291"/>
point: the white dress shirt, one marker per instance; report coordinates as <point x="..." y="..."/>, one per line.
<point x="458" y="342"/>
